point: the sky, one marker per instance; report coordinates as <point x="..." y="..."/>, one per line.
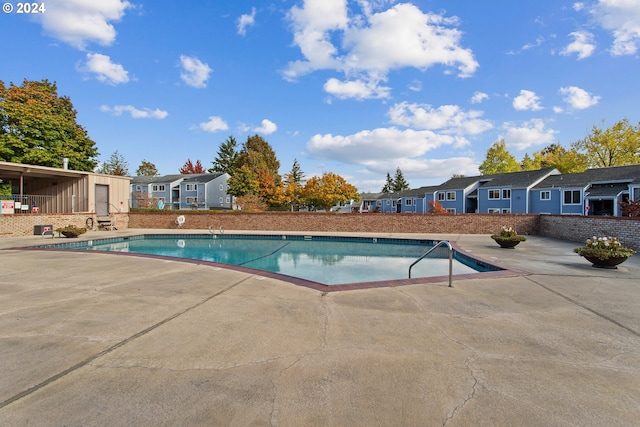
<point x="358" y="88"/>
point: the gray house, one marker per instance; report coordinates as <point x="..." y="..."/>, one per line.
<point x="191" y="191"/>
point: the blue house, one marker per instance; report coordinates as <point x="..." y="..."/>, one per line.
<point x="192" y="191"/>
<point x="509" y="192"/>
<point x="596" y="191"/>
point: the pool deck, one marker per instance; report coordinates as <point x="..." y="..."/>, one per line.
<point x="89" y="339"/>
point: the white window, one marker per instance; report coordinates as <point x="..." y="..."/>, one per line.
<point x="451" y="195"/>
<point x="545" y="195"/>
<point x="572" y="197"/>
<point x="451" y="210"/>
<point x="506" y="193"/>
<point x="228" y="199"/>
<point x="506" y="210"/>
<point x="138" y="188"/>
<point x="494" y="210"/>
<point x="192" y="200"/>
<point x="636" y="194"/>
<point x="441" y="197"/>
<point x="407" y="202"/>
<point x="191" y="187"/>
<point x="393" y="202"/>
<point x="158" y="187"/>
<point x="221" y="187"/>
<point x="220" y="200"/>
<point x="494" y="194"/>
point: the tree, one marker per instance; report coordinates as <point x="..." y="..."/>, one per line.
<point x="615" y="146"/>
<point x="499" y="160"/>
<point x="190" y="168"/>
<point x="260" y="160"/>
<point x="243" y="182"/>
<point x="293" y="186"/>
<point x="327" y="191"/>
<point x="226" y="160"/>
<point x="388" y="185"/>
<point x="147" y="169"/>
<point x="631" y="208"/>
<point x="399" y="183"/>
<point x="435" y="207"/>
<point x="530" y="164"/>
<point x="117" y="165"/>
<point x="556" y="156"/>
<point x="39" y="127"/>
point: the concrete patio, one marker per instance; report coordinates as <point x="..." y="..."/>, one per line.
<point x="90" y="339"/>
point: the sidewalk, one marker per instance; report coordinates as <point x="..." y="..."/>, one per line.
<point x="98" y="339"/>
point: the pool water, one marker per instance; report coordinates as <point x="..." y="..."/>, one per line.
<point x="326" y="260"/>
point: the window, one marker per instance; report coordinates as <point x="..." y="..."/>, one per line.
<point x="221" y="187"/>
<point x="228" y="199"/>
<point x="451" y="195"/>
<point x="545" y="195"/>
<point x="220" y="200"/>
<point x="506" y="210"/>
<point x="506" y="193"/>
<point x="138" y="188"/>
<point x="494" y="194"/>
<point x="407" y="202"/>
<point x="191" y="187"/>
<point x="192" y="200"/>
<point x="158" y="187"/>
<point x="636" y="194"/>
<point x="494" y="210"/>
<point x="440" y="197"/>
<point x="572" y="197"/>
<point x="393" y="203"/>
<point x="451" y="210"/>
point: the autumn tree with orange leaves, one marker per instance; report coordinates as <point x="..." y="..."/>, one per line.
<point x="322" y="193"/>
<point x="190" y="168"/>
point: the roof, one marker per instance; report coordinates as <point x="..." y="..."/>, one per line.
<point x="155" y="179"/>
<point x="205" y="177"/>
<point x="606" y="190"/>
<point x="615" y="174"/>
<point x="15" y="170"/>
<point x="521" y="179"/>
<point x="460" y="183"/>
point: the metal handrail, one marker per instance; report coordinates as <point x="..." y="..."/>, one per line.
<point x="440" y="243"/>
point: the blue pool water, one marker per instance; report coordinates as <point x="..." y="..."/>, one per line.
<point x="326" y="260"/>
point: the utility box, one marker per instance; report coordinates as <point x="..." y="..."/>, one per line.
<point x="40" y="230"/>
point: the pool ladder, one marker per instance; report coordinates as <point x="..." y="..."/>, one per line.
<point x="440" y="243"/>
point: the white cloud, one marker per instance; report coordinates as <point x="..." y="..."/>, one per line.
<point x="423" y="168"/>
<point x="268" y="127"/>
<point x="377" y="145"/>
<point x="528" y="134"/>
<point x="135" y="113"/>
<point x="105" y="70"/>
<point x="478" y="97"/>
<point x="578" y="6"/>
<point x="194" y="73"/>
<point x="622" y="18"/>
<point x="415" y="86"/>
<point x="578" y="98"/>
<point x="356" y="89"/>
<point x="246" y="21"/>
<point x="214" y="124"/>
<point x="582" y="45"/>
<point x="80" y="22"/>
<point x="527" y="100"/>
<point x="447" y="119"/>
<point x="372" y="45"/>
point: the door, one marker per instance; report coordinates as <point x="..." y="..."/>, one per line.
<point x="102" y="200"/>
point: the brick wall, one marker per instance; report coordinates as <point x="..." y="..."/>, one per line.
<point x="22" y="224"/>
<point x="581" y="228"/>
<point x="303" y="221"/>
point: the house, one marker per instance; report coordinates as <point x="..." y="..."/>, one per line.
<point x="185" y="191"/>
<point x="156" y="191"/>
<point x="596" y="191"/>
<point x="415" y="201"/>
<point x="509" y="192"/>
<point x="459" y="194"/>
<point x="48" y="190"/>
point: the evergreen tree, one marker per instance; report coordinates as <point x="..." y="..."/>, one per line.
<point x="295" y="175"/>
<point x="226" y="160"/>
<point x="388" y="185"/>
<point x="399" y="183"/>
<point x="117" y="165"/>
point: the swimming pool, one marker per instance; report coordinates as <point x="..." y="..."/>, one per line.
<point x="325" y="260"/>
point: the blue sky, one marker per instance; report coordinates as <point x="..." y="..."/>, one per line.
<point x="357" y="88"/>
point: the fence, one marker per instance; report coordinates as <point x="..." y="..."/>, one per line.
<point x="30" y="203"/>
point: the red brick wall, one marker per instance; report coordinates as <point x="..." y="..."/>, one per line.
<point x="22" y="224"/>
<point x="303" y="221"/>
<point x="581" y="228"/>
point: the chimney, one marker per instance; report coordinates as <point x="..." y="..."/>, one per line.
<point x="65" y="163"/>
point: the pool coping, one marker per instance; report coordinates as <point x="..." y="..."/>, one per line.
<point x="321" y="287"/>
